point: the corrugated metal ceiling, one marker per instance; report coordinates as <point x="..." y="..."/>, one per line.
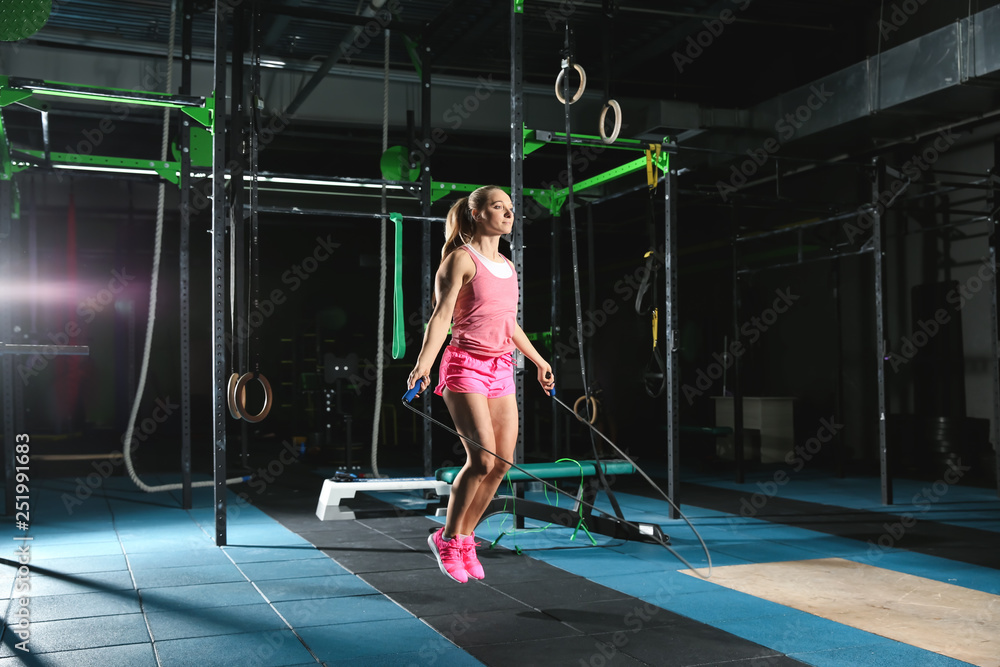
<point x="635" y="41"/>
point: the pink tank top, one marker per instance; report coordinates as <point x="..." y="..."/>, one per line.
<point x="486" y="312"/>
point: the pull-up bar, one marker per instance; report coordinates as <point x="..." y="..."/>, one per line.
<point x="18" y="89"/>
<point x="59" y="89"/>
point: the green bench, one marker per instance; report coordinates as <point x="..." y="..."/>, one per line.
<point x="577" y="516"/>
<point x="555" y="470"/>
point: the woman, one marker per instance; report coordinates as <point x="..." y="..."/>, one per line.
<point x="476" y="293"/>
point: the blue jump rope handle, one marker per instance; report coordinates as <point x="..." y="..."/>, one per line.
<point x="552" y="392"/>
<point x="412" y="393"/>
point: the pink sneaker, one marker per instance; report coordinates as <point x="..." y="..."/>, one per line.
<point x="472" y="565"/>
<point x="449" y="555"/>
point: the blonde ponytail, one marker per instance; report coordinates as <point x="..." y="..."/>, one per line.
<point x="459" y="226"/>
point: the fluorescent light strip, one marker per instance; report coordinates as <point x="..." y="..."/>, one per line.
<point x="331" y="193"/>
<point x="266" y="179"/>
<point x="305" y="181"/>
<point x="114" y="170"/>
<point x="309" y="181"/>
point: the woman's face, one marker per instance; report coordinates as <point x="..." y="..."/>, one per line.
<point x="497" y="217"/>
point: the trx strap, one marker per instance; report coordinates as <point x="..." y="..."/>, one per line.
<point x="566" y="63"/>
<point x="653" y="161"/>
<point x="654" y="375"/>
<point x="398" y="324"/>
<point x="648" y="279"/>
<point x="652" y="180"/>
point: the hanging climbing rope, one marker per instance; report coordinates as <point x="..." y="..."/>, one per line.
<point x="383" y="261"/>
<point x="154" y="280"/>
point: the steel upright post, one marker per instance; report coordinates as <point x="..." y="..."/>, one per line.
<point x="992" y="204"/>
<point x="670" y="337"/>
<point x="219" y="378"/>
<point x="184" y="267"/>
<point x="734" y="376"/>
<point x="427" y="276"/>
<point x="556" y="312"/>
<point x="516" y="193"/>
<point x="878" y="254"/>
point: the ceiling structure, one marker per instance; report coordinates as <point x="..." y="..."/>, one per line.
<point x="716" y="76"/>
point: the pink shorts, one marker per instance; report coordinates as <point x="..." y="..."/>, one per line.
<point x="467" y="373"/>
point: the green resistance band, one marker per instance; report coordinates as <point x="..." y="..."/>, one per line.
<point x="513" y="497"/>
<point x="580" y="524"/>
<point x="398" y="338"/>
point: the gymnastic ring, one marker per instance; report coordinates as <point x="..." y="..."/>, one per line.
<point x="241" y="392"/>
<point x="611" y="104"/>
<point x="231" y="396"/>
<point x="579" y="91"/>
<point x="593" y="409"/>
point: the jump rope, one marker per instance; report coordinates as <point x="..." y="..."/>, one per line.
<point x="418" y="387"/>
<point x="412" y="393"/>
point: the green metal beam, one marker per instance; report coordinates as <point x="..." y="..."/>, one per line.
<point x="10" y="95"/>
<point x="546" y="198"/>
<point x="170" y="171"/>
<point x="559" y="197"/>
<point x="553" y="199"/>
<point x="14" y="89"/>
<point x="612" y="174"/>
<point x="203" y="114"/>
<point x="439" y="190"/>
<point x="94" y="93"/>
<point x="530" y="143"/>
<point x="412" y="49"/>
<point x="199" y="147"/>
<point x="543" y="137"/>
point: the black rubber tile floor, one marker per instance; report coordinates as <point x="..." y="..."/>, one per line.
<point x="526" y="612"/>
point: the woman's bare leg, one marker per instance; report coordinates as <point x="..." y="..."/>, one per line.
<point x="473" y="419"/>
<point x="503" y="418"/>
